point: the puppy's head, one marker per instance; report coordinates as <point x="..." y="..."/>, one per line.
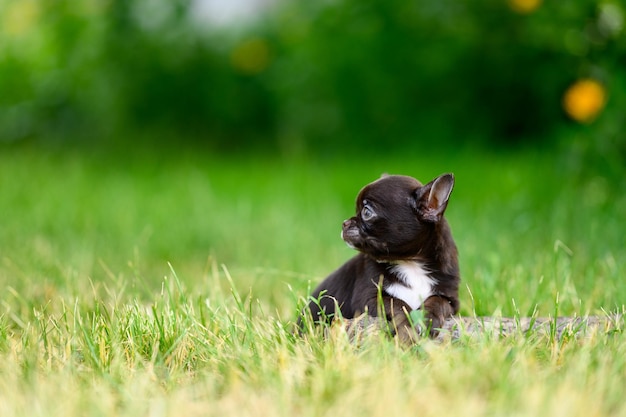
<point x="396" y="216"/>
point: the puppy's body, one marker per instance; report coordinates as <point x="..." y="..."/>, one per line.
<point x="407" y="256"/>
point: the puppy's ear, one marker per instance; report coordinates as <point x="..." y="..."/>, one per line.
<point x="432" y="199"/>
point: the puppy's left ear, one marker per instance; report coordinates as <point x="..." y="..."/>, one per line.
<point x="432" y="199"/>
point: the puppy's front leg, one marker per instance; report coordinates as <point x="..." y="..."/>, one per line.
<point x="437" y="310"/>
<point x="396" y="312"/>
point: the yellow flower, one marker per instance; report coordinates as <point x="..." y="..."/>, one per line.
<point x="524" y="6"/>
<point x="251" y="56"/>
<point x="584" y="99"/>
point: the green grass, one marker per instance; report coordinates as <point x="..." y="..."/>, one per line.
<point x="167" y="284"/>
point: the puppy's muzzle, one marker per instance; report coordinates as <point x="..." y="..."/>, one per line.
<point x="349" y="231"/>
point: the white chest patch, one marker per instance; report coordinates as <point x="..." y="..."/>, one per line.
<point x="414" y="286"/>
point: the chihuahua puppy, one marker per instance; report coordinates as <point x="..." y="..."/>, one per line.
<point x="407" y="258"/>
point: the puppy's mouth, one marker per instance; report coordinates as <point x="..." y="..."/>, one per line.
<point x="350" y="233"/>
<point x="355" y="239"/>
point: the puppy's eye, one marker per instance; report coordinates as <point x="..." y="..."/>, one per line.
<point x="367" y="213"/>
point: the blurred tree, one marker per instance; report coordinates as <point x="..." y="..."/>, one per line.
<point x="371" y="74"/>
<point x="388" y="72"/>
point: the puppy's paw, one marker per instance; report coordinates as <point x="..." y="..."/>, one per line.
<point x="409" y="335"/>
<point x="437" y="309"/>
<point x="422" y="323"/>
<point x="406" y="329"/>
<point x="433" y="325"/>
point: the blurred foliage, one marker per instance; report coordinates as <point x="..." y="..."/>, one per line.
<point x="379" y="74"/>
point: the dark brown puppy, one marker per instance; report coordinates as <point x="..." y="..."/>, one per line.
<point x="407" y="258"/>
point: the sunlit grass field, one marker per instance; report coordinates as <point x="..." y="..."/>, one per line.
<point x="166" y="283"/>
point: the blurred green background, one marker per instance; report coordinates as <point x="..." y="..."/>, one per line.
<point x="299" y="77"/>
<point x="139" y="132"/>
